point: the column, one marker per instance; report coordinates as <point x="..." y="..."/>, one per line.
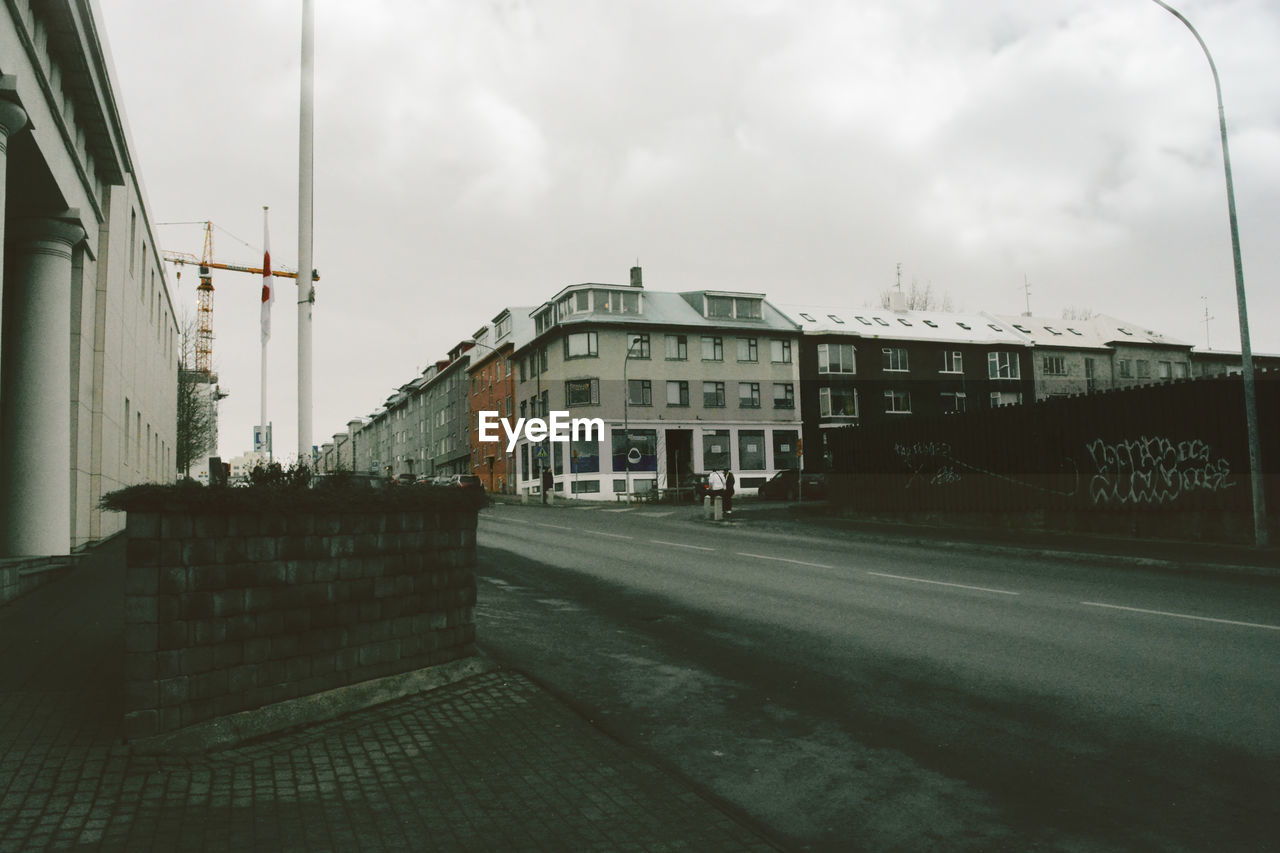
<point x="12" y="119"/>
<point x="35" y="412"/>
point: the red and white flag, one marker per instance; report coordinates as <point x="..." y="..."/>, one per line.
<point x="268" y="291"/>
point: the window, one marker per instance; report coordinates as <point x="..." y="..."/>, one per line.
<point x="1090" y="383"/>
<point x="617" y="301"/>
<point x="581" y="345"/>
<point x="894" y="358"/>
<point x="952" y="361"/>
<point x="502" y="328"/>
<point x="712" y="349"/>
<point x="639" y="392"/>
<point x="638" y="345"/>
<point x="751" y="450"/>
<point x="780" y="352"/>
<point x="524" y="371"/>
<point x="747" y="308"/>
<point x="836" y="319"/>
<point x="881" y="321"/>
<point x="1164" y="369"/>
<point x="677" y="393"/>
<point x="806" y="317"/>
<point x="897" y="402"/>
<point x="904" y="321"/>
<point x="993" y="327"/>
<point x="784" y="395"/>
<point x="748" y="350"/>
<point x="1002" y="365"/>
<point x="713" y="395"/>
<point x="643" y="440"/>
<point x="1005" y="398"/>
<point x="1075" y="331"/>
<point x="579" y="392"/>
<point x="1144" y="369"/>
<point x="1126" y="368"/>
<point x="785" y="448"/>
<point x="126" y="430"/>
<point x="586" y="486"/>
<point x="1179" y="370"/>
<point x="836" y="358"/>
<point x="720" y="307"/>
<point x="863" y="320"/>
<point x="1022" y="329"/>
<point x="1055" y="365"/>
<point x="953" y="401"/>
<point x="677" y="347"/>
<point x="837" y="402"/>
<point x="931" y="324"/>
<point x="748" y="395"/>
<point x="715" y="449"/>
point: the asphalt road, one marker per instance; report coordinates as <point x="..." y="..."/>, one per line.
<point x="851" y="694"/>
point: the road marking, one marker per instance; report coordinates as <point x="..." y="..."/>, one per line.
<point x="624" y="509"/>
<point x="610" y="535"/>
<point x="785" y="560"/>
<point x="944" y="583"/>
<point x="556" y="526"/>
<point x="680" y="545"/>
<point x="588" y="508"/>
<point x="1182" y="616"/>
<point x="657" y="514"/>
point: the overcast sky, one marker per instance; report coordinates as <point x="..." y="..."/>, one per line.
<point x="474" y="155"/>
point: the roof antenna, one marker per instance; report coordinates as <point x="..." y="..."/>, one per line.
<point x="1207" y="318"/>
<point x="1026" y="286"/>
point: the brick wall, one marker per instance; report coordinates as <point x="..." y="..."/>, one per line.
<point x="231" y="613"/>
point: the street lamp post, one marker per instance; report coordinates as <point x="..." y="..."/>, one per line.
<point x="1260" y="533"/>
<point x="626" y="412"/>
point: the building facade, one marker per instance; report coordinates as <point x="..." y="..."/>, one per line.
<point x="88" y="337"/>
<point x="492" y="389"/>
<point x="868" y="366"/>
<point x="1098" y="354"/>
<point x="681" y="383"/>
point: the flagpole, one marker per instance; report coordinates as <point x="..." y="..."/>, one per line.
<point x="306" y="292"/>
<point x="268" y="297"/>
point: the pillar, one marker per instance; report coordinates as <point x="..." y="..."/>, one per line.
<point x="35" y="411"/>
<point x="13" y="118"/>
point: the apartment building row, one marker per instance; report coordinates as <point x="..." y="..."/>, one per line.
<point x="684" y="382"/>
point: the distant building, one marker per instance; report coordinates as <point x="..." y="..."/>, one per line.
<point x="862" y="366"/>
<point x="492" y="389"/>
<point x="89" y="347"/>
<point x="1211" y="362"/>
<point x="1098" y="354"/>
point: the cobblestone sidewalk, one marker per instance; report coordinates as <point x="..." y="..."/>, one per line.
<point x="490" y="763"/>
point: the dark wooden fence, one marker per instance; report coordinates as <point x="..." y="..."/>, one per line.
<point x="1169" y="459"/>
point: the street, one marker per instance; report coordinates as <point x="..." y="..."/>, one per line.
<point x="844" y="692"/>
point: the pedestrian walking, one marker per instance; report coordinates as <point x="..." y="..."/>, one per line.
<point x="728" y="492"/>
<point x="548" y="483"/>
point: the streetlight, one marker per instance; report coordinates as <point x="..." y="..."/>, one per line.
<point x="626" y="412"/>
<point x="1260" y="535"/>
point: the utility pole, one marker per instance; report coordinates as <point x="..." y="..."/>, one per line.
<point x="1207" y="318"/>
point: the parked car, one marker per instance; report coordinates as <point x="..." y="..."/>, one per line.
<point x="469" y="482"/>
<point x="405" y="479"/>
<point x="786" y="485"/>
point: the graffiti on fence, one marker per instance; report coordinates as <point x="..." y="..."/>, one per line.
<point x="1154" y="470"/>
<point x="935" y="462"/>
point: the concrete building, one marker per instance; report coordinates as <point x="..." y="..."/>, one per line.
<point x="864" y="366"/>
<point x="1098" y="354"/>
<point x="682" y="383"/>
<point x="88" y="338"/>
<point x="492" y="387"/>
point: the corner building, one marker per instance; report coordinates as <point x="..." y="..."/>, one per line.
<point x="683" y="382"/>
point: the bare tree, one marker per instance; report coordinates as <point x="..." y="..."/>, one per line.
<point x="198" y="397"/>
<point x="919" y="298"/>
<point x="1078" y="313"/>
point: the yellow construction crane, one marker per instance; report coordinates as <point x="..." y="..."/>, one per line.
<point x="204" y="291"/>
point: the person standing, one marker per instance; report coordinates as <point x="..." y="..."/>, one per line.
<point x="728" y="492"/>
<point x="548" y="483"/>
<point x="715" y="486"/>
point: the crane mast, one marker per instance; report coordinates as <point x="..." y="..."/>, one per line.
<point x="204" y="292"/>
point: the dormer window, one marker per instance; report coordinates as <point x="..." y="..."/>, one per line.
<point x="882" y="321"/>
<point x="836" y="319"/>
<point x="904" y="322"/>
<point x="1075" y="331"/>
<point x="993" y="327"/>
<point x="863" y="320"/>
<point x="502" y="327"/>
<point x="1127" y="332"/>
<point x="733" y="307"/>
<point x="1051" y="330"/>
<point x="1022" y="329"/>
<point x="807" y="318"/>
<point x="964" y="326"/>
<point x="931" y="324"/>
<point x="615" y="301"/>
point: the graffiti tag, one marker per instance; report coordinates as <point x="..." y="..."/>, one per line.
<point x="1154" y="470"/>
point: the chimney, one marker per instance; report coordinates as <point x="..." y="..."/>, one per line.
<point x="635" y="277"/>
